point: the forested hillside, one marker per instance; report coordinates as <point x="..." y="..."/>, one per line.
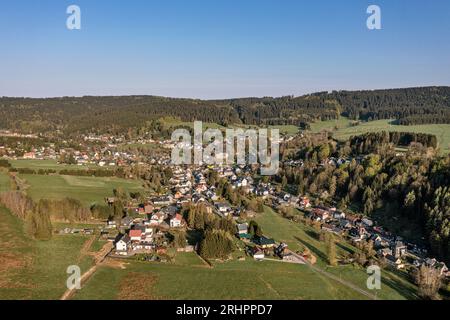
<point x="118" y="114"/>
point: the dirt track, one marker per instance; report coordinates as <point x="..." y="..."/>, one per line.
<point x="99" y="257"/>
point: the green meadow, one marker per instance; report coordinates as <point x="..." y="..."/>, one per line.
<point x="32" y="269"/>
<point x="342" y="129"/>
<point x="187" y="277"/>
<point x="236" y="280"/>
<point x="48" y="165"/>
<point x="88" y="190"/>
<point x="4" y="182"/>
<point x="300" y="236"/>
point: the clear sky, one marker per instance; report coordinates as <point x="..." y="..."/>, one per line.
<point x="220" y="48"/>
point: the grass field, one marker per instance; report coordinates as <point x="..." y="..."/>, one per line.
<point x="344" y="130"/>
<point x="187" y="277"/>
<point x="49" y="165"/>
<point x="287" y="129"/>
<point x="237" y="280"/>
<point x="4" y="182"/>
<point x="299" y="236"/>
<point x="86" y="189"/>
<point x="32" y="269"/>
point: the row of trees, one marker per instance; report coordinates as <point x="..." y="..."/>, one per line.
<point x="37" y="219"/>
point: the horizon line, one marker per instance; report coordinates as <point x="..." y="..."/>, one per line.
<point x="229" y="98"/>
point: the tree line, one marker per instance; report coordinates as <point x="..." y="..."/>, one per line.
<point x="118" y="114"/>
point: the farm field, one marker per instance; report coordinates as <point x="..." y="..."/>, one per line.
<point x="88" y="190"/>
<point x="345" y="131"/>
<point x="33" y="269"/>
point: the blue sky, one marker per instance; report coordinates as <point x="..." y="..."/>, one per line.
<point x="220" y="48"/>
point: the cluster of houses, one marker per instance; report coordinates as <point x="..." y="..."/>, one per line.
<point x="147" y="233"/>
<point x="41" y="153"/>
<point x="189" y="185"/>
<point x="261" y="247"/>
<point x="398" y="254"/>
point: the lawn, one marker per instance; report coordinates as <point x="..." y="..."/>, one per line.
<point x="344" y="130"/>
<point x="299" y="236"/>
<point x="36" y="269"/>
<point x="86" y="189"/>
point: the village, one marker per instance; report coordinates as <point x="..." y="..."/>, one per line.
<point x="160" y="214"/>
<point x="144" y="232"/>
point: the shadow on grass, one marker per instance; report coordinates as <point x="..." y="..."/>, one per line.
<point x="313" y="234"/>
<point x="313" y="249"/>
<point x="407" y="294"/>
<point x="345" y="248"/>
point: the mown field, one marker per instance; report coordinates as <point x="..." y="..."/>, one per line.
<point x="342" y="129"/>
<point x="31" y="269"/>
<point x="86" y="189"/>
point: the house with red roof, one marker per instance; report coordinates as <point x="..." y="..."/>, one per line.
<point x="136" y="235"/>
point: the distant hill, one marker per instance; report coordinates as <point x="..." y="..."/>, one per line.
<point x="118" y="114"/>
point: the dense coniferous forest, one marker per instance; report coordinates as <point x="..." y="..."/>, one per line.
<point x="117" y="114"/>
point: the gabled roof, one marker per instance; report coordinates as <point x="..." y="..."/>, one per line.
<point x="124" y="238"/>
<point x="135" y="233"/>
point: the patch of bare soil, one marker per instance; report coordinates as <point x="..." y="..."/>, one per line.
<point x="101" y="255"/>
<point x="138" y="286"/>
<point x="115" y="263"/>
<point x="11" y="263"/>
